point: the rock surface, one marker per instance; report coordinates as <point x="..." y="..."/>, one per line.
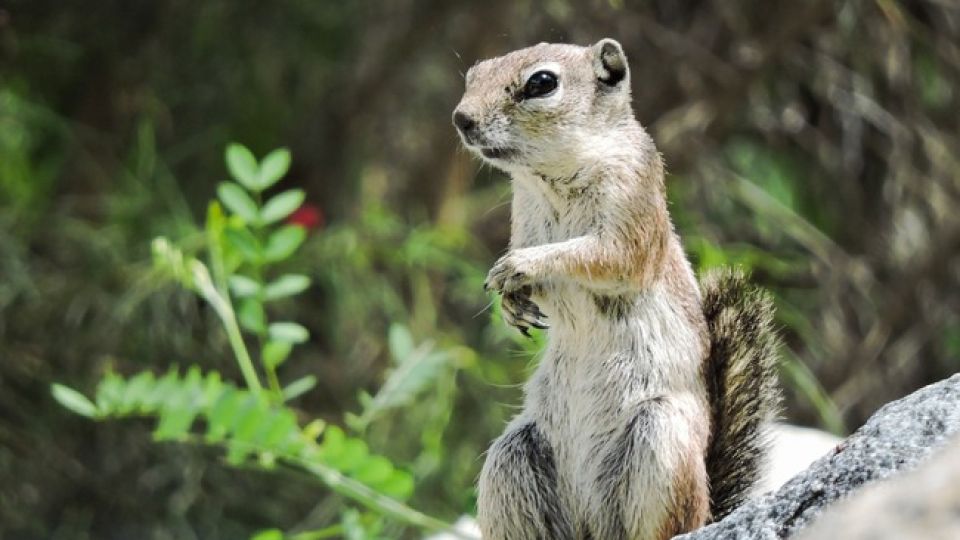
<point x="898" y="437"/>
<point x="922" y="504"/>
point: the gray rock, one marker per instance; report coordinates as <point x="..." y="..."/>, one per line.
<point x="898" y="437"/>
<point x="922" y="504"/>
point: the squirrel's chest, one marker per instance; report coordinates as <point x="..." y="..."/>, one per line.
<point x="595" y="371"/>
<point x="542" y="216"/>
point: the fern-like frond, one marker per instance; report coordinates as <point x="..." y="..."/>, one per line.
<point x="202" y="408"/>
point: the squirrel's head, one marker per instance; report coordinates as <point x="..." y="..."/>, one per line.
<point x="545" y="107"/>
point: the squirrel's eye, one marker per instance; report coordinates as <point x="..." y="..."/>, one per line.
<point x="540" y="84"/>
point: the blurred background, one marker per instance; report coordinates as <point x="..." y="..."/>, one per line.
<point x="814" y="143"/>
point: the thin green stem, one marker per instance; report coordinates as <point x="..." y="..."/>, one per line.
<point x="352" y="489"/>
<point x="220" y="302"/>
<point x="373" y="500"/>
<point x="216" y="291"/>
<point x="274" y="383"/>
<point x="240" y="350"/>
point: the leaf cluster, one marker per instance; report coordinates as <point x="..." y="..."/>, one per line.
<point x="205" y="409"/>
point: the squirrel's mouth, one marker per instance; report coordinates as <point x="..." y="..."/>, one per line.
<point x="497" y="152"/>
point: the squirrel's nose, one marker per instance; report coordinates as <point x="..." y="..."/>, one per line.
<point x="463" y="122"/>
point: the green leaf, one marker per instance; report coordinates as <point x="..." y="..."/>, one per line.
<point x="250" y="427"/>
<point x="364" y="398"/>
<point x="242" y="286"/>
<point x="213" y="388"/>
<point x="243" y="166"/>
<point x="286" y="285"/>
<point x="281" y="206"/>
<point x="399" y="485"/>
<point x="355" y="452"/>
<point x="375" y="470"/>
<point x="273" y="167"/>
<point x="135" y="392"/>
<point x="413" y="374"/>
<point x="244" y="242"/>
<point x="237" y="200"/>
<point x="268" y="534"/>
<point x="333" y="444"/>
<point x="299" y="387"/>
<point x="73" y="400"/>
<point x="288" y="332"/>
<point x="275" y="352"/>
<point x="254" y="416"/>
<point x="354" y="422"/>
<point x="281" y="428"/>
<point x="284" y="242"/>
<point x="109" y="392"/>
<point x="400" y="342"/>
<point x="174" y="423"/>
<point x="314" y="429"/>
<point x="216" y="220"/>
<point x="161" y="391"/>
<point x="223" y="414"/>
<point x="191" y="386"/>
<point x="237" y="452"/>
<point x="252" y="316"/>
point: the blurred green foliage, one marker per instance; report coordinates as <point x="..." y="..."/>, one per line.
<point x="814" y="143"/>
<point x="240" y="250"/>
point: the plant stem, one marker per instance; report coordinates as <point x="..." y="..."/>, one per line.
<point x="352" y="489"/>
<point x="216" y="291"/>
<point x="373" y="500"/>
<point x="240" y="350"/>
<point x="274" y="383"/>
<point x="220" y="302"/>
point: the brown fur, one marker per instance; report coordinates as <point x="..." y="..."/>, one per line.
<point x="633" y="250"/>
<point x="691" y="500"/>
<point x="686" y="297"/>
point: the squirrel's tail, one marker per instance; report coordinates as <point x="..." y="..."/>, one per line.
<point x="741" y="374"/>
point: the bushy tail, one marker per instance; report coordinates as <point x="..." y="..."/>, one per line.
<point x="741" y="377"/>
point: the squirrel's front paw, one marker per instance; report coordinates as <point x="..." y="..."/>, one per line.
<point x="510" y="273"/>
<point x="520" y="312"/>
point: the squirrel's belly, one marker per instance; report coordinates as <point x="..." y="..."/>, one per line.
<point x="608" y="423"/>
<point x="600" y="366"/>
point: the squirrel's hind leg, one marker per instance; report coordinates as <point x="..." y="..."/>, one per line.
<point x="517" y="492"/>
<point x="652" y="482"/>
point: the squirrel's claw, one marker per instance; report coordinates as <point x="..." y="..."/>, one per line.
<point x="522" y="313"/>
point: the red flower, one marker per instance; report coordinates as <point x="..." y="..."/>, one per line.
<point x="307" y="216"/>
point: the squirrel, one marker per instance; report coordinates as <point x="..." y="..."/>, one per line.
<point x="646" y="414"/>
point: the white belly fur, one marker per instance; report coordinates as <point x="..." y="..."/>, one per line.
<point x="597" y="372"/>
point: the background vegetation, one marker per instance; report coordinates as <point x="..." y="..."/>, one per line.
<point x="813" y="142"/>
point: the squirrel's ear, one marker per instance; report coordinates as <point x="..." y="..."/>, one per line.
<point x="609" y="61"/>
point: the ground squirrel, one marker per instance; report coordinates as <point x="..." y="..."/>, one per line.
<point x="644" y="416"/>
